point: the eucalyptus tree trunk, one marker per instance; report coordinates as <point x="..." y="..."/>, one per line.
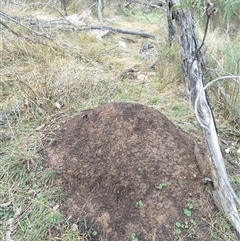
<point x="224" y="196"/>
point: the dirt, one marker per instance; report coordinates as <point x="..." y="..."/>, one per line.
<point x="111" y="161"/>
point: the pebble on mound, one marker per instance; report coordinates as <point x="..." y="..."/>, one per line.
<point x="126" y="169"/>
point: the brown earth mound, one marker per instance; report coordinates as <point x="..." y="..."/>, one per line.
<point x="127" y="172"/>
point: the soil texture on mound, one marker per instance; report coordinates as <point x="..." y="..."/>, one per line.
<point x="129" y="173"/>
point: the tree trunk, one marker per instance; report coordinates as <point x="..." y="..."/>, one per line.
<point x="223" y="193"/>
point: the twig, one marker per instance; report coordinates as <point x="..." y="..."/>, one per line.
<point x="7" y="27"/>
<point x="61" y="14"/>
<point x="209" y="14"/>
<point x="109" y="50"/>
<point x="129" y="39"/>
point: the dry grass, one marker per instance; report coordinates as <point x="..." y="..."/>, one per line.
<point x="43" y="79"/>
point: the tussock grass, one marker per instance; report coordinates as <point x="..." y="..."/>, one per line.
<point x="43" y="79"/>
<point x="223" y="59"/>
<point x="27" y="205"/>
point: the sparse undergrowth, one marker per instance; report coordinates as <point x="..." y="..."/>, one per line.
<point x="43" y="79"/>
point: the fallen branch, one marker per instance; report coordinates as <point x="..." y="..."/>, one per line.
<point x="119" y="30"/>
<point x="152" y="5"/>
<point x="7" y="27"/>
<point x="17" y="22"/>
<point x="72" y="26"/>
<point x="223" y="194"/>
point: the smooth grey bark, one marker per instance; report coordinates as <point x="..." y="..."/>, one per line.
<point x="224" y="196"/>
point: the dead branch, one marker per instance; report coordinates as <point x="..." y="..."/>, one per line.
<point x="7" y="27"/>
<point x="152" y="5"/>
<point x="17" y="22"/>
<point x="223" y="193"/>
<point x="72" y="26"/>
<point x="119" y="30"/>
<point x="129" y="39"/>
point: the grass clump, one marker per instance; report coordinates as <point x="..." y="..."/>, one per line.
<point x="27" y="209"/>
<point x="225" y="94"/>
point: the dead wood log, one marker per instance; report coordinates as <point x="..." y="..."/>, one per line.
<point x="120" y="30"/>
<point x="223" y="193"/>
